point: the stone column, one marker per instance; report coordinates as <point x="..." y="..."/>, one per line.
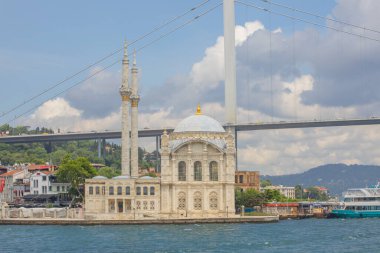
<point x="134" y="139"/>
<point x="125" y="97"/>
<point x="134" y="121"/>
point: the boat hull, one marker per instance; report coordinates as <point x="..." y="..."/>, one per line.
<point x="354" y="214"/>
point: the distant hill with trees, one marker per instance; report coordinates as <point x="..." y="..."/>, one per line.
<point x="38" y="152"/>
<point x="336" y="177"/>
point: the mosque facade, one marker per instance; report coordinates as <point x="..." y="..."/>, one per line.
<point x="198" y="162"/>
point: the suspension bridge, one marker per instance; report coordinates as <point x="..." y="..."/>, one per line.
<point x="230" y="80"/>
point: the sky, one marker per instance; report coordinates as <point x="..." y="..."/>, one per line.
<point x="287" y="69"/>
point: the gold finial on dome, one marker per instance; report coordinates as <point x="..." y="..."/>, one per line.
<point x="199" y="111"/>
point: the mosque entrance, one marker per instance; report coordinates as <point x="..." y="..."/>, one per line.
<point x="120" y="205"/>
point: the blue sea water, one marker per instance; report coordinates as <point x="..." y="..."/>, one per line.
<point x="309" y="235"/>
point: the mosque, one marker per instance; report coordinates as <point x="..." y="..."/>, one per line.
<point x="198" y="162"/>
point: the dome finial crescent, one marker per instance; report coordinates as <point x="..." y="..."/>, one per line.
<point x="199" y="111"/>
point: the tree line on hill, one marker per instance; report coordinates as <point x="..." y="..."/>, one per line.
<point x="38" y="153"/>
<point x="252" y="198"/>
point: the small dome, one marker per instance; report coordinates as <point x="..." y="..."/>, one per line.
<point x="122" y="177"/>
<point x="147" y="177"/>
<point x="199" y="123"/>
<point x="99" y="177"/>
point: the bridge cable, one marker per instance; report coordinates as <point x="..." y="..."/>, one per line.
<point x="104" y="58"/>
<point x="114" y="63"/>
<point x="319" y="16"/>
<point x="305" y="21"/>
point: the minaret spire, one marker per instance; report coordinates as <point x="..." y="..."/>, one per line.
<point x="134" y="122"/>
<point x="125" y="94"/>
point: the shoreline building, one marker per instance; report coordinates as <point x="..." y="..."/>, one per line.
<point x="197" y="169"/>
<point x="287" y="191"/>
<point x="245" y="180"/>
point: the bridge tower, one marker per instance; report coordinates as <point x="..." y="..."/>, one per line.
<point x="125" y="93"/>
<point x="229" y="61"/>
<point x="230" y="68"/>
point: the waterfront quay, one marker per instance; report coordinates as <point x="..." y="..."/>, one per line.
<point x="252" y="219"/>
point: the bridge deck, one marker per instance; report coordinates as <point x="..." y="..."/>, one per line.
<point x="158" y="132"/>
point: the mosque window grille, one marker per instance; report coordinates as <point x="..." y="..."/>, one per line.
<point x="145" y="205"/>
<point x="181" y="201"/>
<point x="145" y="190"/>
<point x="213" y="171"/>
<point x="197" y="201"/>
<point x="213" y="201"/>
<point x="138" y="190"/>
<point x="97" y="190"/>
<point x="103" y="190"/>
<point x="138" y="205"/>
<point x="197" y="171"/>
<point x="110" y="191"/>
<point x="128" y="190"/>
<point x="152" y="205"/>
<point x="128" y="204"/>
<point x="182" y="171"/>
<point x="119" y="190"/>
<point x="90" y="190"/>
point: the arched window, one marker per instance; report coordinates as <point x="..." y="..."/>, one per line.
<point x="90" y="190"/>
<point x="110" y="190"/>
<point x="145" y="190"/>
<point x="213" y="171"/>
<point x="213" y="201"/>
<point x="181" y="201"/>
<point x="152" y="190"/>
<point x="119" y="190"/>
<point x="138" y="190"/>
<point x="182" y="171"/>
<point x="197" y="201"/>
<point x="127" y="190"/>
<point x="197" y="171"/>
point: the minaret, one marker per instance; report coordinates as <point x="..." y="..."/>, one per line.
<point x="134" y="121"/>
<point x="125" y="93"/>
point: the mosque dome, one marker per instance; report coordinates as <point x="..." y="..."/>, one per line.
<point x="199" y="123"/>
<point x="121" y="177"/>
<point x="146" y="177"/>
<point x="99" y="177"/>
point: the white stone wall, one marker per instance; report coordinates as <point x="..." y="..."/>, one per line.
<point x="105" y="205"/>
<point x="192" y="150"/>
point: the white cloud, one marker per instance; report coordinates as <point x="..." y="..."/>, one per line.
<point x="333" y="77"/>
<point x="55" y="108"/>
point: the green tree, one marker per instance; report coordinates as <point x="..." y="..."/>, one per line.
<point x="265" y="183"/>
<point x="299" y="192"/>
<point x="108" y="172"/>
<point x="274" y="195"/>
<point x="315" y="193"/>
<point x="75" y="172"/>
<point x="249" y="198"/>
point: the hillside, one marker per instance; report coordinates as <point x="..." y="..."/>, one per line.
<point x="336" y="177"/>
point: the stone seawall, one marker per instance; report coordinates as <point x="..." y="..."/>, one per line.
<point x="52" y="221"/>
<point x="41" y="213"/>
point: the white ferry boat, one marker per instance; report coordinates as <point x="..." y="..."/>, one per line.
<point x="359" y="203"/>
